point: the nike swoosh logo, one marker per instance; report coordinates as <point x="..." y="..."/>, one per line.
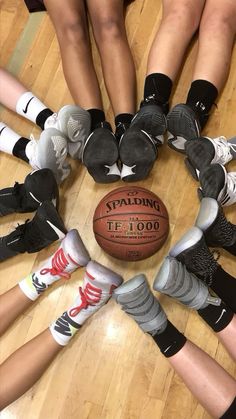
<point x="27" y="105"/>
<point x="2" y="130"/>
<point x="60" y="233"/>
<point x="222" y="313"/>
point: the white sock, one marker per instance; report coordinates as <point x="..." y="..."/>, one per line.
<point x="29" y="106"/>
<point x="8" y="138"/>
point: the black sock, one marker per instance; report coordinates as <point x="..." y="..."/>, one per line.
<point x="201" y="96"/>
<point x="224" y="286"/>
<point x="97" y="116"/>
<point x="19" y="149"/>
<point x="170" y="341"/>
<point x="159" y="85"/>
<point x="231" y="411"/>
<point x="42" y="116"/>
<point x="124" y="118"/>
<point x="231" y="249"/>
<point x="217" y="317"/>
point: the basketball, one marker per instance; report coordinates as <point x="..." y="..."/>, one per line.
<point x="131" y="223"/>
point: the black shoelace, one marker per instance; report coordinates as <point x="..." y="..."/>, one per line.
<point x="205" y="264"/>
<point x="225" y="232"/>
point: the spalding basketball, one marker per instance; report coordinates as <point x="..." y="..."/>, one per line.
<point x="131" y="223"/>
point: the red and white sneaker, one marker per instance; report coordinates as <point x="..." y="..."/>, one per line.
<point x="71" y="255"/>
<point x="98" y="285"/>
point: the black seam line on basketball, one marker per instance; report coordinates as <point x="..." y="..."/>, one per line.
<point x="130" y="244"/>
<point x="131" y="213"/>
<point x="127" y="190"/>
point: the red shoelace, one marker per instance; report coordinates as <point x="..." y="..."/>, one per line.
<point x="90" y="295"/>
<point x="59" y="264"/>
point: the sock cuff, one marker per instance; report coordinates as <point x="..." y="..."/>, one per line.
<point x="217" y="317"/>
<point x="19" y="149"/>
<point x="124" y="118"/>
<point x="160" y="85"/>
<point x="170" y="341"/>
<point x="42" y="117"/>
<point x="27" y="287"/>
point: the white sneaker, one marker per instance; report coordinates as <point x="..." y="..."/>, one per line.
<point x="74" y="122"/>
<point x="50" y="151"/>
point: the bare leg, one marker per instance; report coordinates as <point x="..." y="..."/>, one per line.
<point x="25" y="366"/>
<point x="70" y="23"/>
<point x="10" y="89"/>
<point x="107" y="18"/>
<point x="180" y="21"/>
<point x="227" y="337"/>
<point x="12" y="303"/>
<point x="216" y="38"/>
<point x="208" y="381"/>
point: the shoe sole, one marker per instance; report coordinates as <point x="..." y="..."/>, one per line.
<point x="138" y="153"/>
<point x="101" y="153"/>
<point x="40" y="177"/>
<point x="213" y="182"/>
<point x="191" y="169"/>
<point x="180" y="124"/>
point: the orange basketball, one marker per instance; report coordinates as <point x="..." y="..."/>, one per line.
<point x="131" y="223"/>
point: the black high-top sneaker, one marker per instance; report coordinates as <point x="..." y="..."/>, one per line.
<point x="193" y="252"/>
<point x="100" y="154"/>
<point x="138" y="146"/>
<point x="218" y="231"/>
<point x="45" y="228"/>
<point x="39" y="186"/>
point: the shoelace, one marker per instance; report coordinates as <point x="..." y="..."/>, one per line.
<point x="90" y="295"/>
<point x="222" y="149"/>
<point x="205" y="264"/>
<point x="225" y="230"/>
<point x="59" y="264"/>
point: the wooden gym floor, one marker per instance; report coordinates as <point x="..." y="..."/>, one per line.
<point x="111" y="370"/>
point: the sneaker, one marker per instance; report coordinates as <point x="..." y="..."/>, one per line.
<point x="96" y="290"/>
<point x="218" y="231"/>
<point x="70" y="256"/>
<point x="39" y="186"/>
<point x="50" y="151"/>
<point x="137" y="300"/>
<point x="138" y="146"/>
<point x="193" y="252"/>
<point x="45" y="228"/>
<point x="74" y="122"/>
<point x="218" y="184"/>
<point x="182" y="125"/>
<point x="203" y="151"/>
<point x="174" y="280"/>
<point x="100" y="154"/>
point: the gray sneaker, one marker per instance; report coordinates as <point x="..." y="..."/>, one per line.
<point x="137" y="300"/>
<point x="50" y="151"/>
<point x="74" y="122"/>
<point x="174" y="280"/>
<point x="218" y="231"/>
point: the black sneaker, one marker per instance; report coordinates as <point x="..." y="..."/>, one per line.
<point x="218" y="184"/>
<point x="100" y="154"/>
<point x="45" y="228"/>
<point x="39" y="186"/>
<point x="138" y="146"/>
<point x="182" y="125"/>
<point x="218" y="231"/>
<point x="203" y="151"/>
<point x="193" y="252"/>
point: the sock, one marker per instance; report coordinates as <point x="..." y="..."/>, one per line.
<point x="159" y="85"/>
<point x="232" y="141"/>
<point x="224" y="286"/>
<point x="170" y="340"/>
<point x="42" y="117"/>
<point x="217" y="317"/>
<point x="201" y="96"/>
<point x="231" y="411"/>
<point x="97" y="116"/>
<point x="30" y="107"/>
<point x="123" y="118"/>
<point x="64" y="328"/>
<point x="12" y="143"/>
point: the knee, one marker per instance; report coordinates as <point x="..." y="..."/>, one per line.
<point x="185" y="17"/>
<point x="107" y="29"/>
<point x="219" y="21"/>
<point x="73" y="31"/>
